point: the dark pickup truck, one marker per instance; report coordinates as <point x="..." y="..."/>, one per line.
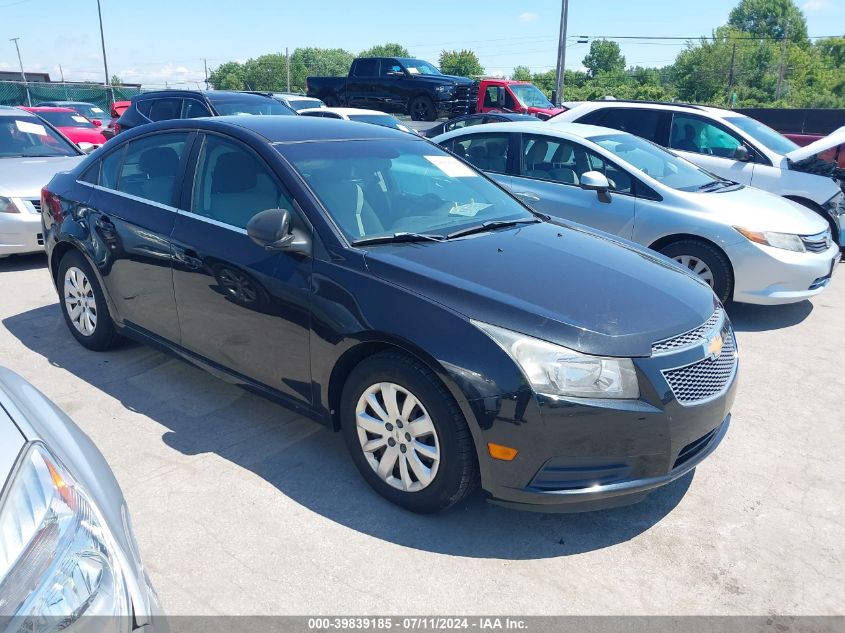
<point x="399" y="85"/>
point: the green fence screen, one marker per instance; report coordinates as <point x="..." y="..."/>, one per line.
<point x="13" y="93"/>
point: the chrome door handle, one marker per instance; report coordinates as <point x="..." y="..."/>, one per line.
<point x="527" y="196"/>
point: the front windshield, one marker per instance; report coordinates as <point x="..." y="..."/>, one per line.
<point x="27" y="136"/>
<point x="384" y="120"/>
<point x="763" y="134"/>
<point x="90" y="111"/>
<point x="65" y="119"/>
<point x="419" y="67"/>
<point x="304" y="104"/>
<point x="529" y="95"/>
<point x="381" y="187"/>
<point x="655" y="161"/>
<point x="258" y="106"/>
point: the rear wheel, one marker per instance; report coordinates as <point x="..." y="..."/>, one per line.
<point x="422" y="109"/>
<point x="705" y="261"/>
<point x="406" y="434"/>
<point x="84" y="305"/>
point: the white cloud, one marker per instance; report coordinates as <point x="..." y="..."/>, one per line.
<point x="172" y="74"/>
<point x="528" y="16"/>
<point x="817" y="5"/>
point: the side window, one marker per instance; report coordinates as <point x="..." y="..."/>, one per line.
<point x="619" y="179"/>
<point x="465" y="122"/>
<point x="232" y="184"/>
<point x="486" y="151"/>
<point x="366" y="68"/>
<point x="109" y="168"/>
<point x="165" y="109"/>
<point x="510" y="104"/>
<point x="193" y="109"/>
<point x="595" y="117"/>
<point x="639" y="122"/>
<point x="693" y="134"/>
<point x="390" y="68"/>
<point x="92" y="174"/>
<point x="491" y="97"/>
<point x="151" y="166"/>
<point x="144" y="107"/>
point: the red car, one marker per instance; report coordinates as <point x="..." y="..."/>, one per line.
<point x="117" y="109"/>
<point x="70" y="123"/>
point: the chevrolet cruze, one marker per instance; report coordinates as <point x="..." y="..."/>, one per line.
<point x="369" y="279"/>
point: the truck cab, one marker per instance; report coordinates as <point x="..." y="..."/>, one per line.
<point x="505" y="95"/>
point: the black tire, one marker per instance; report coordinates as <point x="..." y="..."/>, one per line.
<point x="331" y="102"/>
<point x="104" y="335"/>
<point x="713" y="258"/>
<point x="457" y="473"/>
<point x="422" y="109"/>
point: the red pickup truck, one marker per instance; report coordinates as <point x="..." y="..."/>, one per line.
<point x="505" y="95"/>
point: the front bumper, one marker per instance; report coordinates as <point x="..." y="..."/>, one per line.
<point x="771" y="276"/>
<point x="21" y="232"/>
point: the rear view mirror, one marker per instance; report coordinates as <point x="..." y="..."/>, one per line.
<point x="741" y="153"/>
<point x="598" y="182"/>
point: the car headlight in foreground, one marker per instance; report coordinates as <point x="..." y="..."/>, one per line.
<point x="57" y="558"/>
<point x="788" y="241"/>
<point x="555" y="370"/>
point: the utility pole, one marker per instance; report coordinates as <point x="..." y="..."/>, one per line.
<point x="109" y="92"/>
<point x="205" y="65"/>
<point x="731" y="74"/>
<point x="561" y="52"/>
<point x="23" y="74"/>
<point x="781" y="65"/>
<point x="287" y="63"/>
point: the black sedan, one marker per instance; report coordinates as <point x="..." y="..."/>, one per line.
<point x="371" y="280"/>
<point x="475" y="119"/>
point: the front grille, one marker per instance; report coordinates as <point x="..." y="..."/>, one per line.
<point x="705" y="379"/>
<point x="693" y="337"/>
<point x="40" y="238"/>
<point x="817" y="243"/>
<point x="465" y="95"/>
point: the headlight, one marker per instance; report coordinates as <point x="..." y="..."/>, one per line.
<point x="8" y="206"/>
<point x="445" y="89"/>
<point x="836" y="205"/>
<point x="555" y="370"/>
<point x="786" y="241"/>
<point x="57" y="560"/>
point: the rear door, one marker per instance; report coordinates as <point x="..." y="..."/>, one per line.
<point x="134" y="206"/>
<point x="241" y="306"/>
<point x="360" y="90"/>
<point x="549" y="176"/>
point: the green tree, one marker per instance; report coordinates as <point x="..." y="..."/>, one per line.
<point x="462" y="63"/>
<point x="521" y="73"/>
<point x="318" y="62"/>
<point x="604" y="56"/>
<point x="116" y="81"/>
<point x="390" y="49"/>
<point x="267" y="73"/>
<point x="228" y="76"/>
<point x="770" y="19"/>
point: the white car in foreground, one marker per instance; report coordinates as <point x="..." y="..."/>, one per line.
<point x="733" y="146"/>
<point x="357" y="114"/>
<point x="748" y="245"/>
<point x="31" y="153"/>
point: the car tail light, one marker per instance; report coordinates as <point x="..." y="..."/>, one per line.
<point x="51" y="205"/>
<point x="97" y="122"/>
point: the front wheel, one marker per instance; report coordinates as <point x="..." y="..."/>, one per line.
<point x="706" y="262"/>
<point x="84" y="305"/>
<point x="422" y="109"/>
<point x="406" y="434"/>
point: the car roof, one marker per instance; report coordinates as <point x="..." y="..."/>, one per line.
<point x="348" y="111"/>
<point x="538" y="127"/>
<point x="48" y="109"/>
<point x="213" y="95"/>
<point x="656" y="105"/>
<point x="68" y="103"/>
<point x="13" y="111"/>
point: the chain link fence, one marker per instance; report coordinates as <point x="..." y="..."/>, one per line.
<point x="14" y="93"/>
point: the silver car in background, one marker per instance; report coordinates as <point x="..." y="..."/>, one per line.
<point x="749" y="245"/>
<point x="31" y="153"/>
<point x="68" y="557"/>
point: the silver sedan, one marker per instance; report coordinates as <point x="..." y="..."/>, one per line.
<point x="67" y="553"/>
<point x="31" y="153"/>
<point x="748" y="245"/>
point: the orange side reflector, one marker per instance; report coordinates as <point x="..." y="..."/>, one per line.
<point x="505" y="453"/>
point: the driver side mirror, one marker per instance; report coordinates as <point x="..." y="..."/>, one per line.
<point x="598" y="182"/>
<point x="741" y="153"/>
<point x="271" y="229"/>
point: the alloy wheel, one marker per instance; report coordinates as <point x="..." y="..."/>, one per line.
<point x="397" y="436"/>
<point x="697" y="267"/>
<point x="80" y="302"/>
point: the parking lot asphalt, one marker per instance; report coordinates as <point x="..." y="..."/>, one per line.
<point x="242" y="507"/>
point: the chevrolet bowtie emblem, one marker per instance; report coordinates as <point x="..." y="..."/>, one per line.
<point x="713" y="348"/>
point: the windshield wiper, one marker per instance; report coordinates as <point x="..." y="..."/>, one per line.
<point x="715" y="184"/>
<point x="399" y="237"/>
<point x="492" y="224"/>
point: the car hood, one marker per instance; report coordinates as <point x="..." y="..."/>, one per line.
<point x="24" y="177"/>
<point x="83" y="135"/>
<point x="758" y="210"/>
<point x="834" y="139"/>
<point x="549" y="111"/>
<point x="564" y="284"/>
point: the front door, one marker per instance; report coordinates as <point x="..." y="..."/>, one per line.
<point x="549" y="175"/>
<point x="134" y="210"/>
<point x="710" y="146"/>
<point x="241" y="306"/>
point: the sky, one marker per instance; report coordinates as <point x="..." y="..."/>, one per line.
<point x="161" y="42"/>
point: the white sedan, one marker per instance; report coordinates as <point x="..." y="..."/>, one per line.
<point x="356" y="114"/>
<point x="31" y="153"/>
